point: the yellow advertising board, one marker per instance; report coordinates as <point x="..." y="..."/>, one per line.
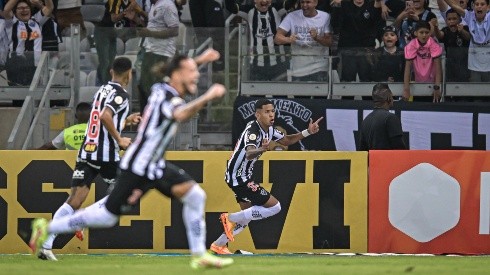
<point x="323" y="197"/>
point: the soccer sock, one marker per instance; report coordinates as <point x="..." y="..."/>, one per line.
<point x="259" y="212"/>
<point x="64" y="210"/>
<point x="94" y="217"/>
<point x="193" y="215"/>
<point x="98" y="204"/>
<point x="239" y="226"/>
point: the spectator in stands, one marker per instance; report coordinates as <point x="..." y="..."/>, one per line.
<point x="478" y="22"/>
<point x="72" y="137"/>
<point x="433" y="6"/>
<point x="118" y="14"/>
<point x="267" y="59"/>
<point x="4" y="44"/>
<point x="456" y="39"/>
<point x="67" y="13"/>
<point x="50" y="30"/>
<point x="381" y="130"/>
<point x="444" y="7"/>
<point x="308" y="32"/>
<point x="388" y="63"/>
<point x="423" y="58"/>
<point x="25" y="42"/>
<point x="407" y="20"/>
<point x="359" y="21"/>
<point x="160" y="43"/>
<point x="208" y="17"/>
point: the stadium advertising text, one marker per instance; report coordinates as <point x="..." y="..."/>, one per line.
<point x="323" y="197"/>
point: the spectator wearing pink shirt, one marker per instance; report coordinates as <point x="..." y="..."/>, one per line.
<point x="423" y="58"/>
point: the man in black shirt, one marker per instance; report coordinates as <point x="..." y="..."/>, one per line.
<point x="381" y="130"/>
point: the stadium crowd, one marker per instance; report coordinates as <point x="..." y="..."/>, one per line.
<point x="374" y="40"/>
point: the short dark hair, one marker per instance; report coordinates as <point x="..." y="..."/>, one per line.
<point x="262" y="102"/>
<point x="82" y="112"/>
<point x="452" y="11"/>
<point x="422" y="25"/>
<point x="381" y="92"/>
<point x="121" y="65"/>
<point x="28" y="3"/>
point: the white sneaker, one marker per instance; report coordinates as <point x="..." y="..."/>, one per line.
<point x="46" y="254"/>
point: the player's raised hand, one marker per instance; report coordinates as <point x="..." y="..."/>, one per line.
<point x="207" y="56"/>
<point x="313" y="127"/>
<point x="216" y="91"/>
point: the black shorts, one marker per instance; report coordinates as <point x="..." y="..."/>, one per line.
<point x="86" y="171"/>
<point x="251" y="192"/>
<point x="127" y="182"/>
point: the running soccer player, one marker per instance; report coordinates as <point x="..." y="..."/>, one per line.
<point x="99" y="153"/>
<point x="143" y="166"/>
<point x="256" y="202"/>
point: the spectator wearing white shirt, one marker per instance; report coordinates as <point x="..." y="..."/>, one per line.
<point x="160" y="43"/>
<point x="25" y="38"/>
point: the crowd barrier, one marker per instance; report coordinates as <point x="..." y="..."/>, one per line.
<point x="417" y="202"/>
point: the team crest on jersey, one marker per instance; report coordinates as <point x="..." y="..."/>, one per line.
<point x="118" y="100"/>
<point x="252" y="137"/>
<point x="90" y="147"/>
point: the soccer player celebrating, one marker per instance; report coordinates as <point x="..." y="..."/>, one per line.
<point x="143" y="166"/>
<point x="99" y="153"/>
<point x="256" y="202"/>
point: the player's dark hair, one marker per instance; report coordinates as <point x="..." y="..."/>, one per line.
<point x="121" y="65"/>
<point x="381" y="93"/>
<point x="162" y="69"/>
<point x="422" y="25"/>
<point x="82" y="112"/>
<point x="262" y="102"/>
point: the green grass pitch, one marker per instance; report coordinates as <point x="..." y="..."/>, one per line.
<point x="147" y="264"/>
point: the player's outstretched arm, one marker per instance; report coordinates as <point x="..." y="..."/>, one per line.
<point x="313" y="128"/>
<point x="186" y="111"/>
<point x="207" y="56"/>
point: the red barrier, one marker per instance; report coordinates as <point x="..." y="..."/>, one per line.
<point x="429" y="202"/>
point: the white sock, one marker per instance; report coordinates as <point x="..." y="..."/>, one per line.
<point x="98" y="204"/>
<point x="259" y="212"/>
<point x="64" y="210"/>
<point x="239" y="226"/>
<point x="193" y="215"/>
<point x="93" y="217"/>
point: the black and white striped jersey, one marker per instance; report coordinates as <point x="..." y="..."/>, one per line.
<point x="145" y="157"/>
<point x="98" y="144"/>
<point x="239" y="170"/>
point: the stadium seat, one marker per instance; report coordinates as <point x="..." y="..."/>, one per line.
<point x="87" y="93"/>
<point x="120" y="46"/>
<point x="85" y="45"/>
<point x="89" y="26"/>
<point x="132" y="46"/>
<point x="88" y="61"/>
<point x="92" y="78"/>
<point x="62" y="78"/>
